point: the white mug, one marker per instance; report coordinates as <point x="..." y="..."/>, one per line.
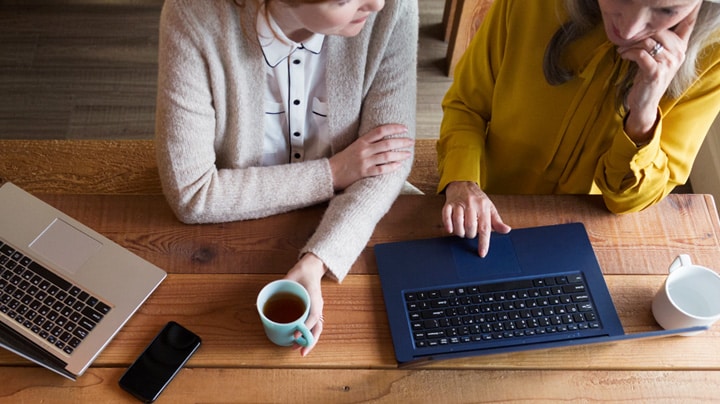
<point x="689" y="297"/>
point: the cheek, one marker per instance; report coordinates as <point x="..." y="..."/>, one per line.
<point x="671" y="23"/>
<point x="342" y="20"/>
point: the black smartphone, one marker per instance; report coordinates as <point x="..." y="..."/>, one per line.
<point x="153" y="370"/>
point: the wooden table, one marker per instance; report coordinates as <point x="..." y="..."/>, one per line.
<point x="217" y="270"/>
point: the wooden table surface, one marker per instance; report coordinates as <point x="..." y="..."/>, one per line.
<point x="215" y="272"/>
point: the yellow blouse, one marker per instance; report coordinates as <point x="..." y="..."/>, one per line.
<point x="505" y="128"/>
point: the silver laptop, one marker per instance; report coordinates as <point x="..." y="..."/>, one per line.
<point x="65" y="290"/>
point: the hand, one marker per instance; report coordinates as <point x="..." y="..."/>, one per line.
<point x="658" y="58"/>
<point x="370" y="155"/>
<point x="309" y="272"/>
<point x="469" y="212"/>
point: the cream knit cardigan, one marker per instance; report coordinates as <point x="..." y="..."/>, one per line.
<point x="209" y="122"/>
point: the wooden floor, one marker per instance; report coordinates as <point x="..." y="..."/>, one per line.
<point x="86" y="69"/>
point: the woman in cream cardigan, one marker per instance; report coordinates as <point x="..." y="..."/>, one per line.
<point x="265" y="106"/>
<point x="612" y="97"/>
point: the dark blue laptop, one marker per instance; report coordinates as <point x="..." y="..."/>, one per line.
<point x="537" y="288"/>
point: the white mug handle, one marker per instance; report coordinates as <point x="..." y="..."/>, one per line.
<point x="682" y="260"/>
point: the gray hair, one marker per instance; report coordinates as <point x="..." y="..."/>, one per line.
<point x="584" y="15"/>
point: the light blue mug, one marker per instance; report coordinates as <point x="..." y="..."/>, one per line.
<point x="283" y="306"/>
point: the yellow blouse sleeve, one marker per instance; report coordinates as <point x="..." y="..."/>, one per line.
<point x="467" y="104"/>
<point x="632" y="178"/>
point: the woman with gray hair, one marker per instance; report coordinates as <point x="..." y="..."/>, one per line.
<point x="610" y="97"/>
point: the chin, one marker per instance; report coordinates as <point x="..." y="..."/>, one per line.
<point x="351" y="31"/>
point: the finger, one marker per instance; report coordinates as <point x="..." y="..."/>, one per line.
<point x="316" y="331"/>
<point x="498" y="225"/>
<point x="373" y="151"/>
<point x="656" y="50"/>
<point x="314" y="323"/>
<point x="639" y="50"/>
<point x="458" y="219"/>
<point x="447" y="212"/>
<point x="381" y="169"/>
<point x="383" y="131"/>
<point x="390" y="144"/>
<point x="378" y="160"/>
<point x="471" y="223"/>
<point x="484" y="232"/>
<point x="483" y="240"/>
<point x="685" y="27"/>
<point x="645" y="45"/>
<point x="642" y="57"/>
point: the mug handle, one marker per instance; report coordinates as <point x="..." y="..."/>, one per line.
<point x="306" y="338"/>
<point x="682" y="260"/>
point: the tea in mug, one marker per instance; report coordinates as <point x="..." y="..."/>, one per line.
<point x="284" y="308"/>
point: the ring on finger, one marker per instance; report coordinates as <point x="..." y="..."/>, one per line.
<point x="656" y="50"/>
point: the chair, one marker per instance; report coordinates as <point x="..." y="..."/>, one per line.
<point x="461" y="19"/>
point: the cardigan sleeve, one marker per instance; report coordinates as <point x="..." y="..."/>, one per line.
<point x="632" y="178"/>
<point x="351" y="216"/>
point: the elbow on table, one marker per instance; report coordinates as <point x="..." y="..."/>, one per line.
<point x="186" y="214"/>
<point x="187" y="211"/>
<point x="632" y="205"/>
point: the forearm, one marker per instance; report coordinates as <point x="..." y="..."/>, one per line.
<point x="202" y="193"/>
<point x="350" y="219"/>
<point x="351" y="216"/>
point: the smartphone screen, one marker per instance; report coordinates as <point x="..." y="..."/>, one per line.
<point x="153" y="370"/>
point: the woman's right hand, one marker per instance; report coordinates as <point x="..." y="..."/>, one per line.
<point x="469" y="212"/>
<point x="370" y="155"/>
<point x="308" y="272"/>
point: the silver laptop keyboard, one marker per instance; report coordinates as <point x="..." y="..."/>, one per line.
<point x="499" y="311"/>
<point x="49" y="306"/>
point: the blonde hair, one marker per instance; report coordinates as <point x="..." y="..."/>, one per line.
<point x="584" y="15"/>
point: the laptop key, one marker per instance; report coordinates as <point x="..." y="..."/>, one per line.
<point x="92" y="314"/>
<point x="102" y="308"/>
<point x="51" y="277"/>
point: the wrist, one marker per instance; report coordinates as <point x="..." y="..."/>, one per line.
<point x="313" y="266"/>
<point x="640" y="129"/>
<point x="335" y="173"/>
<point x="457" y="186"/>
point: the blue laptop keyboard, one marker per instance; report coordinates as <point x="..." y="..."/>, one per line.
<point x="504" y="310"/>
<point x="47" y="305"/>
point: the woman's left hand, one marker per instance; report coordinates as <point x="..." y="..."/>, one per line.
<point x="374" y="153"/>
<point x="658" y="58"/>
<point x="309" y="272"/>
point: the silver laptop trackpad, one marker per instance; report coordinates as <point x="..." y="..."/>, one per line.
<point x="65" y="246"/>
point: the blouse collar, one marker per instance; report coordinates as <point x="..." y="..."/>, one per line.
<point x="275" y="44"/>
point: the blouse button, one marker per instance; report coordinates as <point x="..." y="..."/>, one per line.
<point x="296" y="102"/>
<point x="296" y="134"/>
<point x="297" y="155"/>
